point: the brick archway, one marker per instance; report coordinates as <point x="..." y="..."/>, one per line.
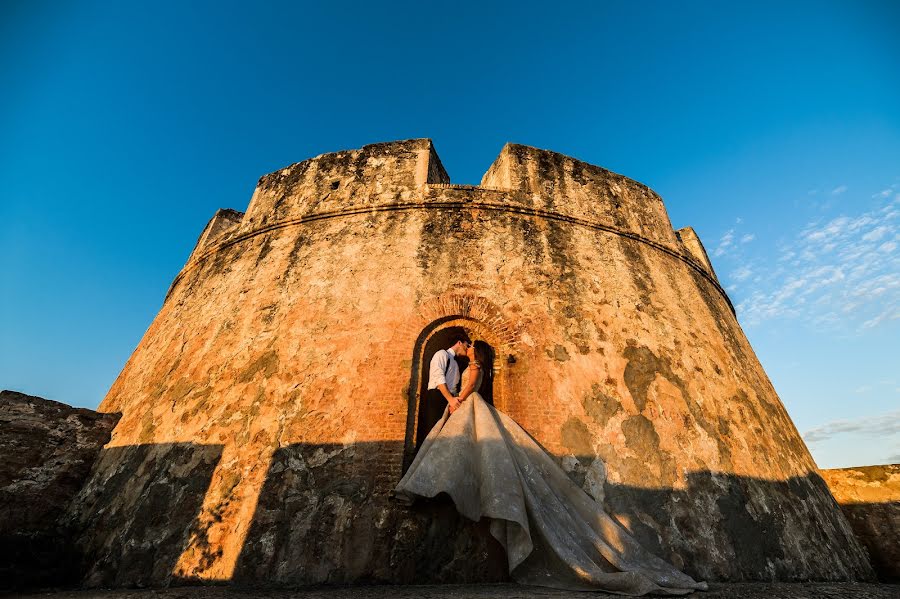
<point x="472" y="307"/>
<point x="481" y="319"/>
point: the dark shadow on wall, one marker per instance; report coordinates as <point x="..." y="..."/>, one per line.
<point x="877" y="526"/>
<point x="137" y="511"/>
<point x="324" y="516"/>
<point x="723" y="527"/>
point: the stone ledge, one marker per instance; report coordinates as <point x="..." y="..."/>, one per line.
<point x="689" y="259"/>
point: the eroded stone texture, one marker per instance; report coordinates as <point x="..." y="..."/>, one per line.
<point x="46" y="452"/>
<point x="691" y="242"/>
<point x="757" y="590"/>
<point x="870" y="498"/>
<point x="224" y="222"/>
<point x="293" y="346"/>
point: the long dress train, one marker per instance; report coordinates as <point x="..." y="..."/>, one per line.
<point x="555" y="534"/>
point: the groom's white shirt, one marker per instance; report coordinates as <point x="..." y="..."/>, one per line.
<point x="444" y="370"/>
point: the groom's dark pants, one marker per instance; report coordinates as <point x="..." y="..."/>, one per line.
<point x="433" y="409"/>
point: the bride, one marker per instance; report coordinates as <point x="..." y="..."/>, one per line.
<point x="555" y="534"/>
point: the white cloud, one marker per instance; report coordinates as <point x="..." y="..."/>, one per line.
<point x="742" y="274"/>
<point x="728" y="242"/>
<point x="724" y="243"/>
<point x="839" y="190"/>
<point x="835" y="227"/>
<point x="889" y="314"/>
<point x="877" y="233"/>
<point x="841" y="272"/>
<point x="886" y="192"/>
<point x="883" y="425"/>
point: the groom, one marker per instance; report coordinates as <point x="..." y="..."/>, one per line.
<point x="443" y="378"/>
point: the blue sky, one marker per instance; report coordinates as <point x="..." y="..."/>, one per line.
<point x="771" y="128"/>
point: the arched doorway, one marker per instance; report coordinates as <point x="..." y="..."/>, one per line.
<point x="429" y="414"/>
<point x="435" y="337"/>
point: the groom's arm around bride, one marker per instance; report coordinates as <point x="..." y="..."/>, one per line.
<point x="443" y="378"/>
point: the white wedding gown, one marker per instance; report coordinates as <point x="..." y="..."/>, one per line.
<point x="555" y="534"/>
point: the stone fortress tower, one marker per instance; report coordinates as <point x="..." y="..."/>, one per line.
<point x="273" y="403"/>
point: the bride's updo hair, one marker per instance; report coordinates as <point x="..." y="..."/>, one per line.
<point x="484" y="356"/>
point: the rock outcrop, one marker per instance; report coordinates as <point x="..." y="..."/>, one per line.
<point x="870" y="498"/>
<point x="47" y="450"/>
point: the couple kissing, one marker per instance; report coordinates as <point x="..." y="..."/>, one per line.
<point x="554" y="533"/>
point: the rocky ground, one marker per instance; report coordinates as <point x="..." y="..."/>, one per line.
<point x="490" y="591"/>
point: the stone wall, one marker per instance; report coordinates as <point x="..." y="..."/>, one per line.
<point x="223" y="222"/>
<point x="46" y="453"/>
<point x="278" y="385"/>
<point x="573" y="188"/>
<point x="870" y="498"/>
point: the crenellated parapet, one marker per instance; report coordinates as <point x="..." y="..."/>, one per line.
<point x="394" y="173"/>
<point x="409" y="175"/>
<point x="375" y="175"/>
<point x="562" y="184"/>
<point x="690" y="241"/>
<point x="220" y="227"/>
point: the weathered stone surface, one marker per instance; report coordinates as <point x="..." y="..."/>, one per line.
<point x="218" y="229"/>
<point x="486" y="591"/>
<point x="46" y="452"/>
<point x="293" y="344"/>
<point x="870" y="498"/>
<point x="690" y="241"/>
